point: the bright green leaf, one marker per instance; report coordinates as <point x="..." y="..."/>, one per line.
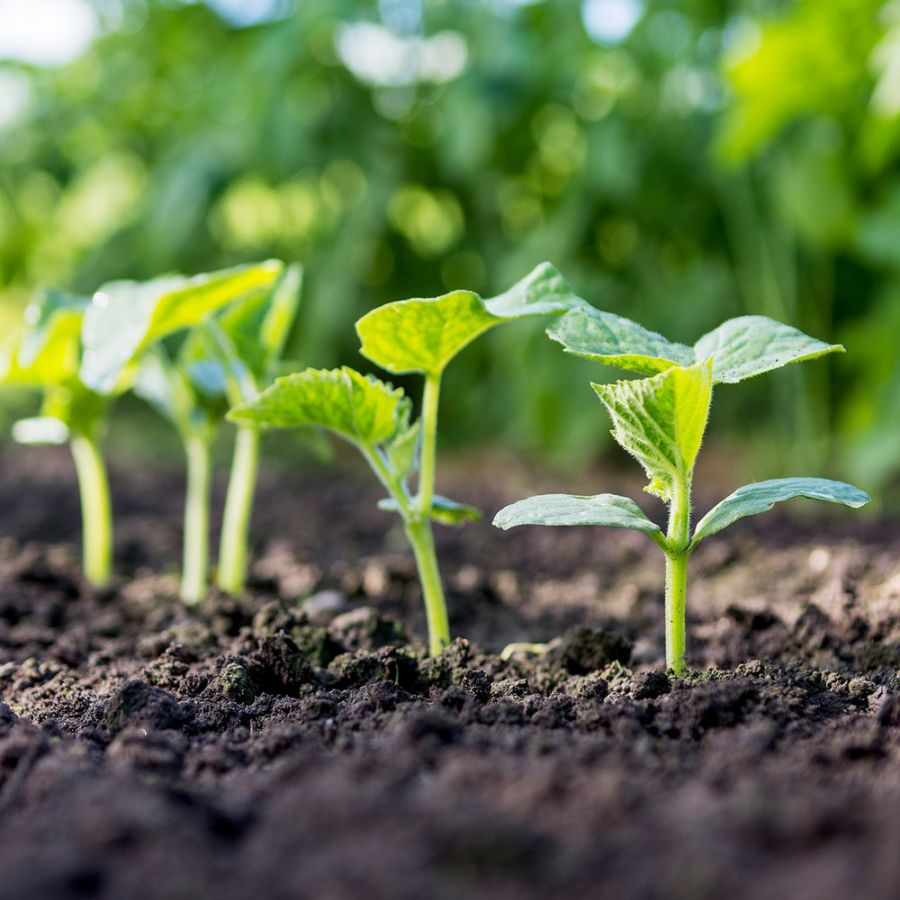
<point x="569" y="509"/>
<point x="616" y="341"/>
<point x="403" y="450"/>
<point x="360" y="408"/>
<point x="125" y="318"/>
<point x="424" y="335"/>
<point x="443" y="510"/>
<point x="752" y="499"/>
<point x="661" y="421"/>
<point x="751" y="345"/>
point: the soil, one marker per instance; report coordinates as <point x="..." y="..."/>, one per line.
<point x="295" y="743"/>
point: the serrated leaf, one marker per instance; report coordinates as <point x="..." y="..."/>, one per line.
<point x="443" y="510"/>
<point x="360" y="408"/>
<point x="740" y="348"/>
<point x="617" y="341"/>
<point x="403" y="450"/>
<point x="610" y="510"/>
<point x="40" y="430"/>
<point x="752" y="499"/>
<point x="423" y="335"/>
<point x="661" y="421"/>
<point x="751" y="345"/>
<point x="125" y="318"/>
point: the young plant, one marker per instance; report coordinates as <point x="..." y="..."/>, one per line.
<point x="47" y="355"/>
<point x="410" y="336"/>
<point x="661" y="420"/>
<point x="156" y="337"/>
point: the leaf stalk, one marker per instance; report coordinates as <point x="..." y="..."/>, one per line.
<point x="96" y="510"/>
<point x="234" y="540"/>
<point x="195" y="567"/>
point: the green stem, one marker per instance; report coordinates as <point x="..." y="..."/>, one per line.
<point x="677" y="555"/>
<point x="430" y="401"/>
<point x="96" y="512"/>
<point x="196" y="520"/>
<point x="422" y="540"/>
<point x="233" y="546"/>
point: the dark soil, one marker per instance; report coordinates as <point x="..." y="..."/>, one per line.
<point x="296" y="745"/>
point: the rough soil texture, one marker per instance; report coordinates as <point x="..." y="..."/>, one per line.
<point x="295" y="744"/>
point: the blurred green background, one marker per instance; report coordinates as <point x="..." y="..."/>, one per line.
<point x="681" y="162"/>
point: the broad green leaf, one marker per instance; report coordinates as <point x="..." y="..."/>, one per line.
<point x="751" y="345"/>
<point x="40" y="430"/>
<point x="739" y="348"/>
<point x="423" y="335"/>
<point x="358" y="407"/>
<point x="443" y="510"/>
<point x="661" y="421"/>
<point x="125" y="318"/>
<point x="617" y="341"/>
<point x="569" y="509"/>
<point x="752" y="499"/>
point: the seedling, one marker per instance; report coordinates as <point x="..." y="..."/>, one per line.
<point x="160" y="338"/>
<point x="410" y="336"/>
<point x="47" y="355"/>
<point x="661" y="420"/>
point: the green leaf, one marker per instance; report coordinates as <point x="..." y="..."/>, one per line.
<point x="443" y="510"/>
<point x="616" y="341"/>
<point x="358" y="407"/>
<point x="40" y="430"/>
<point x="751" y="345"/>
<point x="740" y="348"/>
<point x="47" y="351"/>
<point x="570" y="509"/>
<point x="661" y="421"/>
<point x="423" y="335"/>
<point x="403" y="450"/>
<point x="126" y="317"/>
<point x="752" y="499"/>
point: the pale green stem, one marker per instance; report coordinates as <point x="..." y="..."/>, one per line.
<point x="422" y="540"/>
<point x="430" y="401"/>
<point x="677" y="555"/>
<point x="96" y="511"/>
<point x="196" y="520"/>
<point x="233" y="546"/>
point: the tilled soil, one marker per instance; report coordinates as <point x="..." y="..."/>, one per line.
<point x="296" y="744"/>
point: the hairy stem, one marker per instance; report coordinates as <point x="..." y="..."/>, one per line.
<point x="196" y="520"/>
<point x="233" y="545"/>
<point x="677" y="554"/>
<point x="96" y="511"/>
<point x="422" y="540"/>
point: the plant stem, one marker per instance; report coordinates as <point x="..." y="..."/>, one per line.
<point x="233" y="546"/>
<point x="96" y="512"/>
<point x="422" y="540"/>
<point x="196" y="519"/>
<point x="430" y="401"/>
<point x="677" y="555"/>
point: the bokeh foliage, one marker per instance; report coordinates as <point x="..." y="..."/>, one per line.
<point x="719" y="158"/>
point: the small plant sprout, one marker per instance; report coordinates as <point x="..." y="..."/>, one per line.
<point x="661" y="420"/>
<point x="47" y="355"/>
<point x="159" y="339"/>
<point x="409" y="336"/>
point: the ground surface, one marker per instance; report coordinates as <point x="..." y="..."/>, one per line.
<point x="280" y="749"/>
